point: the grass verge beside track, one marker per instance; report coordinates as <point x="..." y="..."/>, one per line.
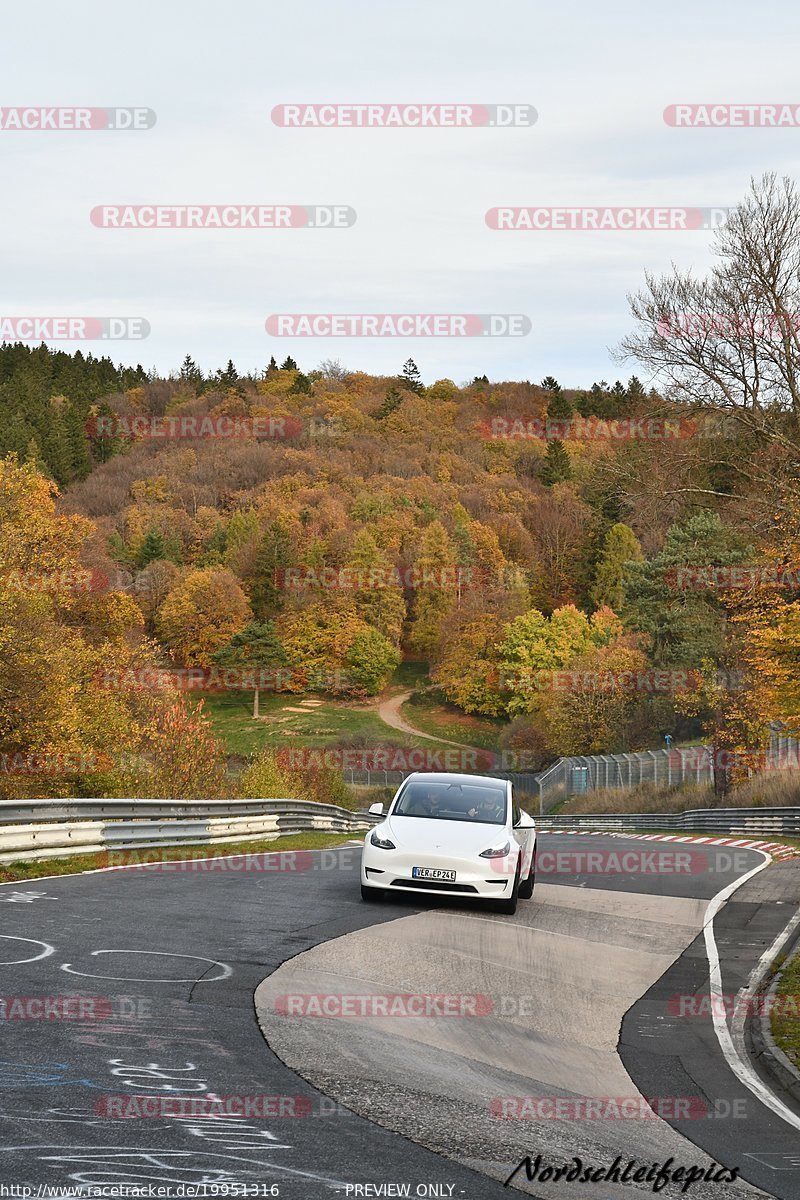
<point x="42" y="868"/>
<point x="786" y="1021"/>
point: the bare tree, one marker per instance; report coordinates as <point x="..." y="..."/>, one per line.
<point x="332" y="368"/>
<point x="727" y="347"/>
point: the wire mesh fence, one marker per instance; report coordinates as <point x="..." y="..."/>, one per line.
<point x="661" y="768"/>
<point x="591" y="772"/>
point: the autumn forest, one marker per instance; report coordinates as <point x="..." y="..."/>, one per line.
<point x="585" y="570"/>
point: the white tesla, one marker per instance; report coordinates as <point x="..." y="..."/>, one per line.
<point x="457" y="834"/>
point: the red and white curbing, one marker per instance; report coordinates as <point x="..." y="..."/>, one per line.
<point x="774" y="849"/>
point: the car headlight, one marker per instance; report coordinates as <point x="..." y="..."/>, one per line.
<point x="381" y="843"/>
<point x="500" y="853"/>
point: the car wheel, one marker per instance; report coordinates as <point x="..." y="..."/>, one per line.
<point x="526" y="888"/>
<point x="371" y="893"/>
<point x="509" y="906"/>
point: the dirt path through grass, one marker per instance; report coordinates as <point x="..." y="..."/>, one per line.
<point x="389" y="712"/>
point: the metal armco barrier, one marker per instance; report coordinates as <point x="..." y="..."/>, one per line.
<point x="744" y="821"/>
<point x="57" y="828"/>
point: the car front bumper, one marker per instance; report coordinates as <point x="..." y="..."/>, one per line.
<point x="392" y="869"/>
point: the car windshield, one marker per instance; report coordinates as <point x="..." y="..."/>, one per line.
<point x="483" y="803"/>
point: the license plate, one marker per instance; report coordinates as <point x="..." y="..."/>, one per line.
<point x="433" y="873"/>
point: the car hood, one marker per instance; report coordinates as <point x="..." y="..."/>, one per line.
<point x="425" y="834"/>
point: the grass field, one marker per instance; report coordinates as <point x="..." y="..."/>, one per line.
<point x="445" y="721"/>
<point x="287" y="721"/>
<point x="318" y="721"/>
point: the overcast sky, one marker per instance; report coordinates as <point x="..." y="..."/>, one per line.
<point x="599" y="76"/>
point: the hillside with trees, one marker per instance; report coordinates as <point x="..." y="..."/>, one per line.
<point x="593" y="568"/>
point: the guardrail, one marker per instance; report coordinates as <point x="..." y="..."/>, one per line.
<point x="743" y="821"/>
<point x="58" y="828"/>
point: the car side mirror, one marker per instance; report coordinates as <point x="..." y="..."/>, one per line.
<point x="376" y="810"/>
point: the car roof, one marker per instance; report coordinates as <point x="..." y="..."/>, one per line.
<point x="451" y="777"/>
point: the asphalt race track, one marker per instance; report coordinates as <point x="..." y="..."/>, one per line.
<point x="577" y="999"/>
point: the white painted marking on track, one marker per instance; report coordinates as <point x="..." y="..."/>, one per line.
<point x="109" y="1157"/>
<point x="226" y="969"/>
<point x="742" y="1002"/>
<point x="743" y="1071"/>
<point x="48" y="950"/>
<point x="25" y="897"/>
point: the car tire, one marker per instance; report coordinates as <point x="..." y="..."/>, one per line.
<point x="526" y="888"/>
<point x="509" y="906"/>
<point x="371" y="893"/>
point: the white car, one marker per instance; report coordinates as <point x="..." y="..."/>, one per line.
<point x="462" y="835"/>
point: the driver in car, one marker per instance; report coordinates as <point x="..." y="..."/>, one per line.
<point x="425" y="806"/>
<point x="486" y="809"/>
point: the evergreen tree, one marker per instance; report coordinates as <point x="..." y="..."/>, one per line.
<point x="393" y="399"/>
<point x="275" y="553"/>
<point x="559" y="407"/>
<point x="635" y="391"/>
<point x="289" y="364"/>
<point x="56" y="448"/>
<point x="685" y="622"/>
<point x="620" y="546"/>
<point x="79" y="452"/>
<point x="229" y="377"/>
<point x="412" y="377"/>
<point x="152" y="547"/>
<point x="302" y="384"/>
<point x="190" y="372"/>
<point x="556" y="466"/>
